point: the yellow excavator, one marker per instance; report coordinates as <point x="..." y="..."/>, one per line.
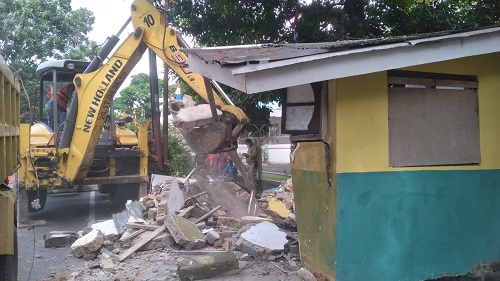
<point x="84" y="146"/>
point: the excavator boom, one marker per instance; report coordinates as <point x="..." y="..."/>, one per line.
<point x="95" y="91"/>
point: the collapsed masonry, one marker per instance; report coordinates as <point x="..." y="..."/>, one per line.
<point x="206" y="217"/>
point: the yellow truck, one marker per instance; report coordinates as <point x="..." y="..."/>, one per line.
<point x="9" y="151"/>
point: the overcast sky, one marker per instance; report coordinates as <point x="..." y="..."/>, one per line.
<point x="110" y="15"/>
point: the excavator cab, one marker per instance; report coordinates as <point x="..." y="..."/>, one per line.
<point x="59" y="75"/>
<point x="55" y="90"/>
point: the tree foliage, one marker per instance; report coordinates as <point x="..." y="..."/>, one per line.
<point x="33" y="31"/>
<point x="221" y="22"/>
<point x="137" y="96"/>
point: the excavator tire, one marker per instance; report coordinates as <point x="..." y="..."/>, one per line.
<point x="120" y="193"/>
<point x="8" y="264"/>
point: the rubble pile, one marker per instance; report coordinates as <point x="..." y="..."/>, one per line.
<point x="203" y="223"/>
<point x="278" y="203"/>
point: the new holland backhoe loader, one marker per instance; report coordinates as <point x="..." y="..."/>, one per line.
<point x="81" y="148"/>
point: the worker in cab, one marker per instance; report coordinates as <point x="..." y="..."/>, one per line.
<point x="64" y="95"/>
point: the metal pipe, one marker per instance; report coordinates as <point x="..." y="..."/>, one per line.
<point x="155" y="105"/>
<point x="211" y="99"/>
<point x="54" y="104"/>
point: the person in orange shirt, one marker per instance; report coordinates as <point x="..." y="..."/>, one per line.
<point x="63" y="96"/>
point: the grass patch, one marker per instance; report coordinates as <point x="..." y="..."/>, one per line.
<point x="274" y="177"/>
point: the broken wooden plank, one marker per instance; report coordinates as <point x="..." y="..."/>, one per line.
<point x="133" y="235"/>
<point x="141" y="243"/>
<point x="207" y="214"/>
<point x="142" y="226"/>
<point x="185" y="211"/>
<point x="199" y="194"/>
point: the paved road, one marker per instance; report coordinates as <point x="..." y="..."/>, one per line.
<point x="66" y="211"/>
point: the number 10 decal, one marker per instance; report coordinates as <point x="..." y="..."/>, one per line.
<point x="149" y="20"/>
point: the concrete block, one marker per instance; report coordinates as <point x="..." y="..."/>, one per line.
<point x="152" y="212"/>
<point x="59" y="239"/>
<point x="106" y="227"/>
<point x="175" y="200"/>
<point x="149" y="203"/>
<point x="211" y="236"/>
<point x="160" y="219"/>
<point x="89" y="243"/>
<point x="279" y="208"/>
<point x="218" y="243"/>
<point x="106" y="264"/>
<point x="306" y="275"/>
<point x="262" y="240"/>
<point x="231" y="222"/>
<point x="184" y="232"/>
<point x="208" y="266"/>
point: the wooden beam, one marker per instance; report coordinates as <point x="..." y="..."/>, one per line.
<point x="141" y="243"/>
<point x="142" y="226"/>
<point x="207" y="214"/>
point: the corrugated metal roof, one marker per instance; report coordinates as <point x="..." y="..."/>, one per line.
<point x="264" y="53"/>
<point x="259" y="68"/>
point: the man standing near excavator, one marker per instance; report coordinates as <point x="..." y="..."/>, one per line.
<point x="252" y="163"/>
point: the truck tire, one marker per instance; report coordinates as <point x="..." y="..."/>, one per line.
<point x="120" y="193"/>
<point x="105" y="188"/>
<point x="8" y="264"/>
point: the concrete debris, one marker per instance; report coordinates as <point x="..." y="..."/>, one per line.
<point x="185" y="233"/>
<point x="211" y="236"/>
<point x="266" y="235"/>
<point x="106" y="227"/>
<point x="208" y="266"/>
<point x="194" y="214"/>
<point x="306" y="275"/>
<point x="279" y="208"/>
<point x="106" y="264"/>
<point x="56" y="239"/>
<point x="89" y="243"/>
<point x="175" y="200"/>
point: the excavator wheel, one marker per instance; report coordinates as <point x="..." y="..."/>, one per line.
<point x="120" y="193"/>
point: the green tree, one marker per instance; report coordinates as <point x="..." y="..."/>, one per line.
<point x="32" y="31"/>
<point x="220" y="23"/>
<point x="137" y="96"/>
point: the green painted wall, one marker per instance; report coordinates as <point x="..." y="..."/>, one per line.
<point x="414" y="225"/>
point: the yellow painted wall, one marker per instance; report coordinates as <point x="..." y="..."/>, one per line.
<point x="362" y="132"/>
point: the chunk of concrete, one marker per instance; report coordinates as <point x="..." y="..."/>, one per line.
<point x="231" y="222"/>
<point x="106" y="264"/>
<point x="197" y="116"/>
<point x="306" y="275"/>
<point x="211" y="236"/>
<point x="279" y="208"/>
<point x="264" y="236"/>
<point x="89" y="243"/>
<point x="106" y="227"/>
<point x="59" y="239"/>
<point x="184" y="232"/>
<point x="208" y="266"/>
<point x="175" y="200"/>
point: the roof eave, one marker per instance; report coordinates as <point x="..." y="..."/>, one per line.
<point x="296" y="71"/>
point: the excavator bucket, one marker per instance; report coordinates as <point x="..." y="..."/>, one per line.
<point x="213" y="138"/>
